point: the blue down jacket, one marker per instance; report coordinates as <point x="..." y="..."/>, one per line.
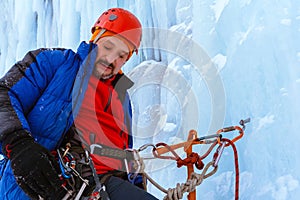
<point x="42" y="94"/>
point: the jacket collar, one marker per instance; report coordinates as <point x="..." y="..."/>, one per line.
<point x="84" y="49"/>
<point x="121" y="84"/>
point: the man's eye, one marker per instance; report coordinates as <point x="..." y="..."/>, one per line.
<point x="106" y="47"/>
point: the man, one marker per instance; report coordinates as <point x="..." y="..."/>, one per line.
<point x="73" y="102"/>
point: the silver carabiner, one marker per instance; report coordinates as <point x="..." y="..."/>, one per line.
<point x="220" y="151"/>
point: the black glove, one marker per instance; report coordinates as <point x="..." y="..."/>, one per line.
<point x="34" y="167"/>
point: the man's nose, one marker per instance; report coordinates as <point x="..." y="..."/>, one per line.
<point x="111" y="58"/>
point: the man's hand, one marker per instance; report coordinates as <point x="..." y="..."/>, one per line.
<point x="34" y="167"/>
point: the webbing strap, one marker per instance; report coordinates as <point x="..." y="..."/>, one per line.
<point x="111" y="152"/>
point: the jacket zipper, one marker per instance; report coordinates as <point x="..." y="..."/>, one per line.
<point x="109" y="100"/>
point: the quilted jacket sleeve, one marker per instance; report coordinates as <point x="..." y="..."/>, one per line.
<point x="22" y="85"/>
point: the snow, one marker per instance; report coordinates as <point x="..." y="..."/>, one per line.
<point x="202" y="65"/>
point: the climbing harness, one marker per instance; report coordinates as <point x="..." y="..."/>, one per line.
<point x="135" y="165"/>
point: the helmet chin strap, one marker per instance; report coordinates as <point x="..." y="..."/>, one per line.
<point x="99" y="35"/>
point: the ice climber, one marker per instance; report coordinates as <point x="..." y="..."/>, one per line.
<point x="64" y="111"/>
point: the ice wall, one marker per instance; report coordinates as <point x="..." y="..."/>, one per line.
<point x="255" y="47"/>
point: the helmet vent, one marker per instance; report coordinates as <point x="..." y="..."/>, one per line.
<point x="112" y="17"/>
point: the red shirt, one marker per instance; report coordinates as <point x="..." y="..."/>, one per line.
<point x="101" y="121"/>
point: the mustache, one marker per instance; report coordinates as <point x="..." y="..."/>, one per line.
<point x="103" y="62"/>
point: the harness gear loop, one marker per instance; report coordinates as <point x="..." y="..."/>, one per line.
<point x="100" y="190"/>
<point x="67" y="165"/>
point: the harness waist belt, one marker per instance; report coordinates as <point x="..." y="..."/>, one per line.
<point x="110" y="152"/>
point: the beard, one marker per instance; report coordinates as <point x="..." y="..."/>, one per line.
<point x="101" y="75"/>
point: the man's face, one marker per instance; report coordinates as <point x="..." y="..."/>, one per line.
<point x="112" y="55"/>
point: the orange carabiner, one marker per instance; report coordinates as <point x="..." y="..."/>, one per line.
<point x="228" y="129"/>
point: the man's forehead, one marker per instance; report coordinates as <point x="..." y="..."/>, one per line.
<point x="116" y="42"/>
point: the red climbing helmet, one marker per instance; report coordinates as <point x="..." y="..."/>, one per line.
<point x="121" y="22"/>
